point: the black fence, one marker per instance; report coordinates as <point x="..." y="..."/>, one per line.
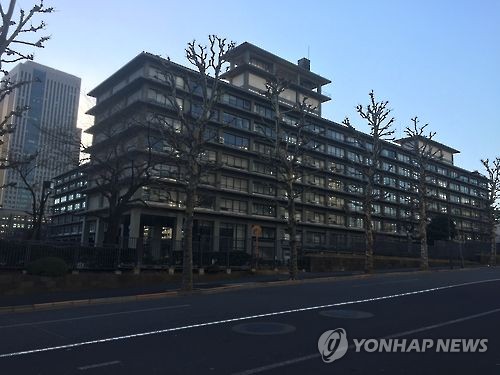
<point x="231" y="253"/>
<point x="129" y="253"/>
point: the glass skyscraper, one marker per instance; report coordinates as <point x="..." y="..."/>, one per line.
<point x="47" y="129"/>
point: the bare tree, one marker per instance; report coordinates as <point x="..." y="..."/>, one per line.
<point x="118" y="169"/>
<point x="376" y="115"/>
<point x="192" y="96"/>
<point x="26" y="168"/>
<point x="424" y="153"/>
<point x="15" y="38"/>
<point x="492" y="169"/>
<point x="287" y="157"/>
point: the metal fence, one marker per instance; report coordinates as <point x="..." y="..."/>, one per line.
<point x="129" y="253"/>
<point x="231" y="253"/>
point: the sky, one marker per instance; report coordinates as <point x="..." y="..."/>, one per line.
<point x="438" y="60"/>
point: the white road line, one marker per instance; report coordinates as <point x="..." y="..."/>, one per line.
<point x="97" y="365"/>
<point x="217" y="322"/>
<point x="94" y="316"/>
<point x="292" y="361"/>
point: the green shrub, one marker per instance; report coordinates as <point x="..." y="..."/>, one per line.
<point x="49" y="266"/>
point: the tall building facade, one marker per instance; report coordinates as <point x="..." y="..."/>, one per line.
<point x="243" y="192"/>
<point x="47" y="129"/>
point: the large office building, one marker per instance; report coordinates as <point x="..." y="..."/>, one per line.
<point x="48" y="129"/>
<point x="68" y="205"/>
<point x="243" y="192"/>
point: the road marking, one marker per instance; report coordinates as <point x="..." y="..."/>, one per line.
<point x="92" y="316"/>
<point x="97" y="365"/>
<point x="218" y="322"/>
<point x="292" y="361"/>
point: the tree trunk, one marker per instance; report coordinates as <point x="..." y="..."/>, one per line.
<point x="493" y="252"/>
<point x="367" y="208"/>
<point x="422" y="220"/>
<point x="424" y="254"/>
<point x="187" y="265"/>
<point x="113" y="229"/>
<point x="369" y="248"/>
<point x="292" y="230"/>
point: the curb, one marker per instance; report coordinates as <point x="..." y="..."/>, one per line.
<point x="226" y="288"/>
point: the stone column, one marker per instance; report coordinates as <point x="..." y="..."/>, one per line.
<point x="84" y="239"/>
<point x="134" y="229"/>
<point x="99" y="232"/>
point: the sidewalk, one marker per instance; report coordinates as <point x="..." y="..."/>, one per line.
<point x="56" y="297"/>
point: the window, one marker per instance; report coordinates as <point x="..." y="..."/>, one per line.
<point x="405" y="199"/>
<point x="442" y="171"/>
<point x="442" y="183"/>
<point x="233" y="205"/>
<point x="263" y="209"/>
<point x="336" y="219"/>
<point x="263" y="168"/>
<point x="260" y="64"/>
<point x="208" y="179"/>
<point x="263" y="148"/>
<point x="207" y="201"/>
<point x="352" y="156"/>
<point x="332" y="134"/>
<point x="317" y="180"/>
<point x="336" y="202"/>
<point x="315" y="128"/>
<point x="390" y="211"/>
<point x="389" y="181"/>
<point x="315" y="217"/>
<point x="355" y="222"/>
<point x="336" y="167"/>
<point x="264" y="130"/>
<point x="316" y="238"/>
<point x="234" y="161"/>
<point x="442" y="195"/>
<point x="236" y="141"/>
<point x="355" y="206"/>
<point x="264" y="111"/>
<point x="229" y="182"/>
<point x="236" y="101"/>
<point x="264" y="189"/>
<point x="388" y="167"/>
<point x="314" y="162"/>
<point x="236" y="121"/>
<point x="388" y="153"/>
<point x="464" y="189"/>
<point x="335" y="184"/>
<point x="404" y="172"/>
<point x="317" y="146"/>
<point x="354" y="188"/>
<point x="353" y="172"/>
<point x="335" y="151"/>
<point x="390" y="227"/>
<point x="312" y="197"/>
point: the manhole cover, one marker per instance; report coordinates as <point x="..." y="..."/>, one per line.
<point x="346" y="314"/>
<point x="263" y="328"/>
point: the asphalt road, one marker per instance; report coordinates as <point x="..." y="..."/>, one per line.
<point x="268" y="330"/>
